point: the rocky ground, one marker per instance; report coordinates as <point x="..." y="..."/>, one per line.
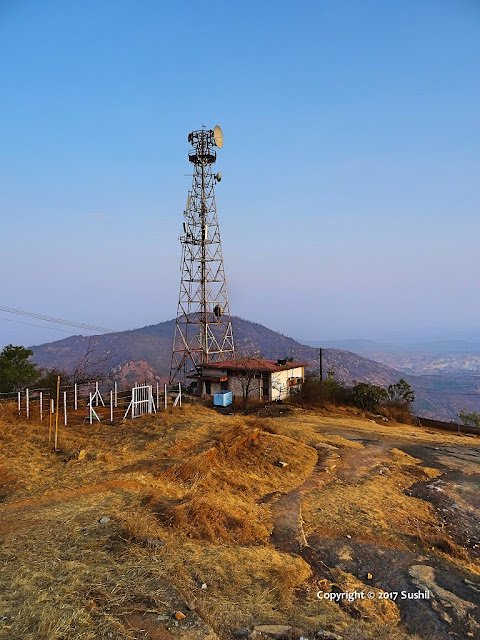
<point x="193" y="524"/>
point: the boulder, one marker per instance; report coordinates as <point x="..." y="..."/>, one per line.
<point x="274" y="631"/>
<point x="321" y="634"/>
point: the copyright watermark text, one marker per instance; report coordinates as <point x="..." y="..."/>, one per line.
<point x="350" y="596"/>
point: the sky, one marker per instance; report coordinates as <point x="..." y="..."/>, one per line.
<point x="350" y="195"/>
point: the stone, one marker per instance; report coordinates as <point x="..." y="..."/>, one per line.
<point x="321" y="634"/>
<point x="243" y="632"/>
<point x="104" y="520"/>
<point x="274" y="631"/>
<point x="369" y="576"/>
<point x="348" y="536"/>
<point x="81" y="455"/>
<point x="179" y="615"/>
<point x="281" y="464"/>
<point x="204" y="586"/>
<point x="154" y="542"/>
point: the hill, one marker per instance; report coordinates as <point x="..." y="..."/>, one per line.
<point x="147" y="351"/>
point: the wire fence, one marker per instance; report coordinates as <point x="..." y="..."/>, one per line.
<point x="92" y="402"/>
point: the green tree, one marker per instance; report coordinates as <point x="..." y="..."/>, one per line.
<point x="16" y="371"/>
<point x="368" y="396"/>
<point x="401" y="392"/>
<point x="469" y="419"/>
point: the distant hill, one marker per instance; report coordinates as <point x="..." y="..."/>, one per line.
<point x="149" y="349"/>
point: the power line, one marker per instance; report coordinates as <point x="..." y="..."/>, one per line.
<point x="73" y="324"/>
<point x="69" y="323"/>
<point x="31" y="324"/>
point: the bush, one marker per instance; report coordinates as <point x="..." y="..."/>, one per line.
<point x="469" y="419"/>
<point x="401" y="393"/>
<point x="321" y="393"/>
<point x="369" y="396"/>
<point x="398" y="411"/>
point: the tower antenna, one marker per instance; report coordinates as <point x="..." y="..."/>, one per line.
<point x="203" y="329"/>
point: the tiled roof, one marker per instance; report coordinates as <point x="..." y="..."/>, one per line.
<point x="256" y="364"/>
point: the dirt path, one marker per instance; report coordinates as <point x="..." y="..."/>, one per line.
<point x="287" y="534"/>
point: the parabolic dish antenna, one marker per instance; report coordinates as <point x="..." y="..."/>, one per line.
<point x="218" y="136"/>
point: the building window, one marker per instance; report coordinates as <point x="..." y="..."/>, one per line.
<point x="208" y="388"/>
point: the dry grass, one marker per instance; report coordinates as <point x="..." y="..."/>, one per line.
<point x="192" y="479"/>
<point x="372" y="504"/>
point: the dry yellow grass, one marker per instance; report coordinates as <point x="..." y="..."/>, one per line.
<point x="194" y="480"/>
<point x="372" y="505"/>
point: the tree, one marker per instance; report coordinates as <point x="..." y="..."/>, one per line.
<point x="89" y="367"/>
<point x="368" y="396"/>
<point x="249" y="367"/>
<point x="401" y="392"/>
<point x="469" y="419"/>
<point x="16" y="371"/>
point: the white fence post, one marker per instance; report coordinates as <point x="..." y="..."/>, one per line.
<point x="19" y="402"/>
<point x="91" y="408"/>
<point x="158" y="396"/>
<point x="96" y="394"/>
<point x="65" y="406"/>
<point x="111" y="405"/>
<point x="115" y="394"/>
<point x="165" y="397"/>
<point x="41" y="406"/>
<point x="180" y="394"/>
<point x="27" y="403"/>
<point x="76" y="398"/>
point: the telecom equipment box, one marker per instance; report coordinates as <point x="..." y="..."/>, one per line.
<point x="222" y="398"/>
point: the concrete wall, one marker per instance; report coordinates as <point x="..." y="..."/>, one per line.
<point x="279" y="386"/>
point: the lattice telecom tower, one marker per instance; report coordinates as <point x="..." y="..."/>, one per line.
<point x="203" y="331"/>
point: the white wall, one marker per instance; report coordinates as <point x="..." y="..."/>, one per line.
<point x="279" y="382"/>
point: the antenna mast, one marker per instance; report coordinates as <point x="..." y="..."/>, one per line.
<point x="203" y="330"/>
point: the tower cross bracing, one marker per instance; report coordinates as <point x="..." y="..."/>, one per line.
<point x="203" y="329"/>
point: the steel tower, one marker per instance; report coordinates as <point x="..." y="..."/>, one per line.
<point x="203" y="330"/>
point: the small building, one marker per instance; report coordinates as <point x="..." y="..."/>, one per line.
<point x="251" y="378"/>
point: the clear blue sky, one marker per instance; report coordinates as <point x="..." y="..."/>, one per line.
<point x="349" y="205"/>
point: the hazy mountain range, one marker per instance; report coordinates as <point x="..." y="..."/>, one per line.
<point x="144" y="354"/>
<point x="417" y="358"/>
